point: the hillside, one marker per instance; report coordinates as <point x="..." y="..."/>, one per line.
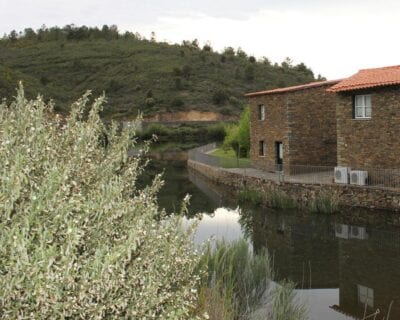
<point x="135" y="73"/>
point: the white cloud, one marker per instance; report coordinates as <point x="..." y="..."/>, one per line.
<point x="333" y="43"/>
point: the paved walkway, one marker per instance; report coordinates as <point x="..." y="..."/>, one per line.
<point x="322" y="177"/>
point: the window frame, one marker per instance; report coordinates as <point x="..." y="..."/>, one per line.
<point x="261" y="148"/>
<point x="365" y="295"/>
<point x="363" y="110"/>
<point x="261" y="112"/>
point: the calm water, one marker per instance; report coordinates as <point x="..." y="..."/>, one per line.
<point x="340" y="263"/>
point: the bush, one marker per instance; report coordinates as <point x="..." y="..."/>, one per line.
<point x="79" y="240"/>
<point x="220" y="97"/>
<point x="238" y="136"/>
<point x="177" y="103"/>
<point x="216" y="132"/>
<point x="249" y="73"/>
<point x="150" y="102"/>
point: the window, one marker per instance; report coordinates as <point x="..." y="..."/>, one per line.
<point x="362" y="106"/>
<point x="261" y="148"/>
<point x="261" y="112"/>
<point x="365" y="295"/>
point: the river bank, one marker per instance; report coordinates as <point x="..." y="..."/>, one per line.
<point x="329" y="257"/>
<point x="302" y="192"/>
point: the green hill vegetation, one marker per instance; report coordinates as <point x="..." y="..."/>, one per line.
<point x="136" y="74"/>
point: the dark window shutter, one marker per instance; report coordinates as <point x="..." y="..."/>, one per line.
<point x="354" y="106"/>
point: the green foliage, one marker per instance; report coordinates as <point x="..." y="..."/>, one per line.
<point x="231" y="139"/>
<point x="251" y="196"/>
<point x="79" y="240"/>
<point x="244" y="131"/>
<point x="285" y="306"/>
<point x="324" y="202"/>
<point x="238" y="136"/>
<point x="150" y="102"/>
<point x="220" y="96"/>
<point x="279" y="199"/>
<point x="239" y="282"/>
<point x="73" y="58"/>
<point x="239" y="277"/>
<point x="273" y="198"/>
<point x="184" y="133"/>
<point x="249" y="73"/>
<point x="177" y="103"/>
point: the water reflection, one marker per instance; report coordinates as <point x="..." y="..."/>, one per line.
<point x="318" y="252"/>
<point x="344" y="268"/>
<point x="222" y="224"/>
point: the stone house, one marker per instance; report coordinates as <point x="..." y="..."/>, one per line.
<point x="293" y="126"/>
<point x="368" y="119"/>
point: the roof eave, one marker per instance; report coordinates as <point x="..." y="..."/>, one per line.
<point x="361" y="87"/>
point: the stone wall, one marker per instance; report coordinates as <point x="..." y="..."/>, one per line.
<point x="348" y="195"/>
<point x="274" y="128"/>
<point x="312" y="127"/>
<point x="370" y="143"/>
<point x="304" y="120"/>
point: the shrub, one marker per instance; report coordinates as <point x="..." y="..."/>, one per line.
<point x="79" y="239"/>
<point x="216" y="132"/>
<point x="238" y="136"/>
<point x="220" y="97"/>
<point x="178" y="83"/>
<point x="249" y="73"/>
<point x="177" y="103"/>
<point x="155" y="129"/>
<point x="207" y="47"/>
<point x="150" y="102"/>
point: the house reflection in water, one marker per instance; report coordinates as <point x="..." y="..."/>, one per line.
<point x="369" y="275"/>
<point x="315" y="252"/>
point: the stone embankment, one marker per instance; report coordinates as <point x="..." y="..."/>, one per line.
<point x="347" y="195"/>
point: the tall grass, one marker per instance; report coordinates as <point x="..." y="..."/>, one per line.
<point x="251" y="196"/>
<point x="238" y="285"/>
<point x="272" y="198"/>
<point x="285" y="306"/>
<point x="324" y="202"/>
<point x="279" y="199"/>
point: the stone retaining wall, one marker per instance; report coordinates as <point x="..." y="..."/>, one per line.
<point x="348" y="195"/>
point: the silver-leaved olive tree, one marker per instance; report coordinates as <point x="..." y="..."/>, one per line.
<point x="78" y="239"/>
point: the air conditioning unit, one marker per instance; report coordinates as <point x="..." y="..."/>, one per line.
<point x="342" y="174"/>
<point x="342" y="231"/>
<point x="358" y="177"/>
<point x="358" y="233"/>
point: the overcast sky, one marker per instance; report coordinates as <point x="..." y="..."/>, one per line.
<point x="333" y="38"/>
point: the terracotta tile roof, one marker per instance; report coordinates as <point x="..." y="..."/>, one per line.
<point x="293" y="88"/>
<point x="369" y="78"/>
